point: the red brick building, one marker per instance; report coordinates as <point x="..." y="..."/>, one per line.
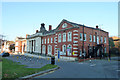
<point x="70" y="39"/>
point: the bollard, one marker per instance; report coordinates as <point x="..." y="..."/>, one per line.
<point x="48" y="58"/>
<point x="58" y="60"/>
<point x="13" y="56"/>
<point x="52" y="60"/>
<point x="108" y="59"/>
<point x="32" y="56"/>
<point x="39" y="57"/>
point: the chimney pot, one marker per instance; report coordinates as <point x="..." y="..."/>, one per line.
<point x="97" y="26"/>
<point x="36" y="31"/>
<point x="50" y="27"/>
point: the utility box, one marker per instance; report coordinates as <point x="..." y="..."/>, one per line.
<point x="52" y="60"/>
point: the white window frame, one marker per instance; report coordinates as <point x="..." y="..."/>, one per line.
<point x="90" y="38"/>
<point x="54" y="39"/>
<point x="42" y="41"/>
<point x="59" y="37"/>
<point x="51" y="40"/>
<point x="48" y="40"/>
<point x="104" y="39"/>
<point x="94" y="38"/>
<point x="81" y="36"/>
<point x="64" y="25"/>
<point x="64" y="37"/>
<point x="43" y="49"/>
<point x="84" y="37"/>
<point x="49" y="50"/>
<point x="97" y="39"/>
<point x="64" y="50"/>
<point x="69" y="36"/>
<point x="69" y="53"/>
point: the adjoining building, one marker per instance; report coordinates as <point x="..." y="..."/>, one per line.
<point x="20" y="45"/>
<point x="72" y="40"/>
<point x="6" y="47"/>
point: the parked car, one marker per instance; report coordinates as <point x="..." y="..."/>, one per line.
<point x="4" y="54"/>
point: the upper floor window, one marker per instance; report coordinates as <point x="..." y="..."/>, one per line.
<point x="64" y="37"/>
<point x="94" y="38"/>
<point x="104" y="39"/>
<point x="48" y="40"/>
<point x="64" y="25"/>
<point x="16" y="44"/>
<point x="97" y="39"/>
<point x="101" y="39"/>
<point x="84" y="37"/>
<point x="69" y="36"/>
<point x="64" y="49"/>
<point x="42" y="41"/>
<point x="51" y="40"/>
<point x="59" y="37"/>
<point x="55" y="40"/>
<point x="45" y="41"/>
<point x="90" y="38"/>
<point x="81" y="36"/>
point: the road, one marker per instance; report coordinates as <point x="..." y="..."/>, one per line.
<point x="87" y="69"/>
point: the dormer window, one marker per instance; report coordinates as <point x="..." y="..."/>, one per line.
<point x="64" y="25"/>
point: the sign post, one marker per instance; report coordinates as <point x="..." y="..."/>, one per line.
<point x="58" y="55"/>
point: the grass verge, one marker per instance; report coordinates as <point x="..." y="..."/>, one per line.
<point x="13" y="70"/>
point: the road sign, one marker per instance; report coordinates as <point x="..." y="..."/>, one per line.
<point x="58" y="54"/>
<point x="68" y="49"/>
<point x="73" y="53"/>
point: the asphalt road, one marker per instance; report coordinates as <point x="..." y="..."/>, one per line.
<point x="93" y="69"/>
<point x="87" y="69"/>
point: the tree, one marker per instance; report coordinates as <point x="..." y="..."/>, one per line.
<point x="111" y="43"/>
<point x="12" y="46"/>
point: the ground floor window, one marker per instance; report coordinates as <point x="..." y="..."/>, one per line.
<point x="69" y="50"/>
<point x="105" y="50"/>
<point x="43" y="49"/>
<point x="64" y="49"/>
<point x="49" y="49"/>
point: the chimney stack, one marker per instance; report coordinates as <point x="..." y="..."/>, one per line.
<point x="42" y="25"/>
<point x="97" y="26"/>
<point x="50" y="27"/>
<point x="36" y="31"/>
<point x="27" y="35"/>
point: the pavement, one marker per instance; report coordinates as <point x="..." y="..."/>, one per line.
<point x="86" y="69"/>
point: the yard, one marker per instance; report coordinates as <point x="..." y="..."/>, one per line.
<point x="12" y="69"/>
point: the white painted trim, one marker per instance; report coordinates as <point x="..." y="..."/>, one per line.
<point x="75" y="44"/>
<point x="75" y="30"/>
<point x="75" y="37"/>
<point x="75" y="48"/>
<point x="75" y="51"/>
<point x="75" y="55"/>
<point x="75" y="41"/>
<point x="75" y="34"/>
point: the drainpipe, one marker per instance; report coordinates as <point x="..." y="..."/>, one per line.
<point x="83" y="41"/>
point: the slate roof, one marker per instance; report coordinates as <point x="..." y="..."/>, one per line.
<point x="45" y="32"/>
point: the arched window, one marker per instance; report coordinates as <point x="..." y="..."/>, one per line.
<point x="69" y="50"/>
<point x="43" y="49"/>
<point x="69" y="36"/>
<point x="49" y="49"/>
<point x="64" y="49"/>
